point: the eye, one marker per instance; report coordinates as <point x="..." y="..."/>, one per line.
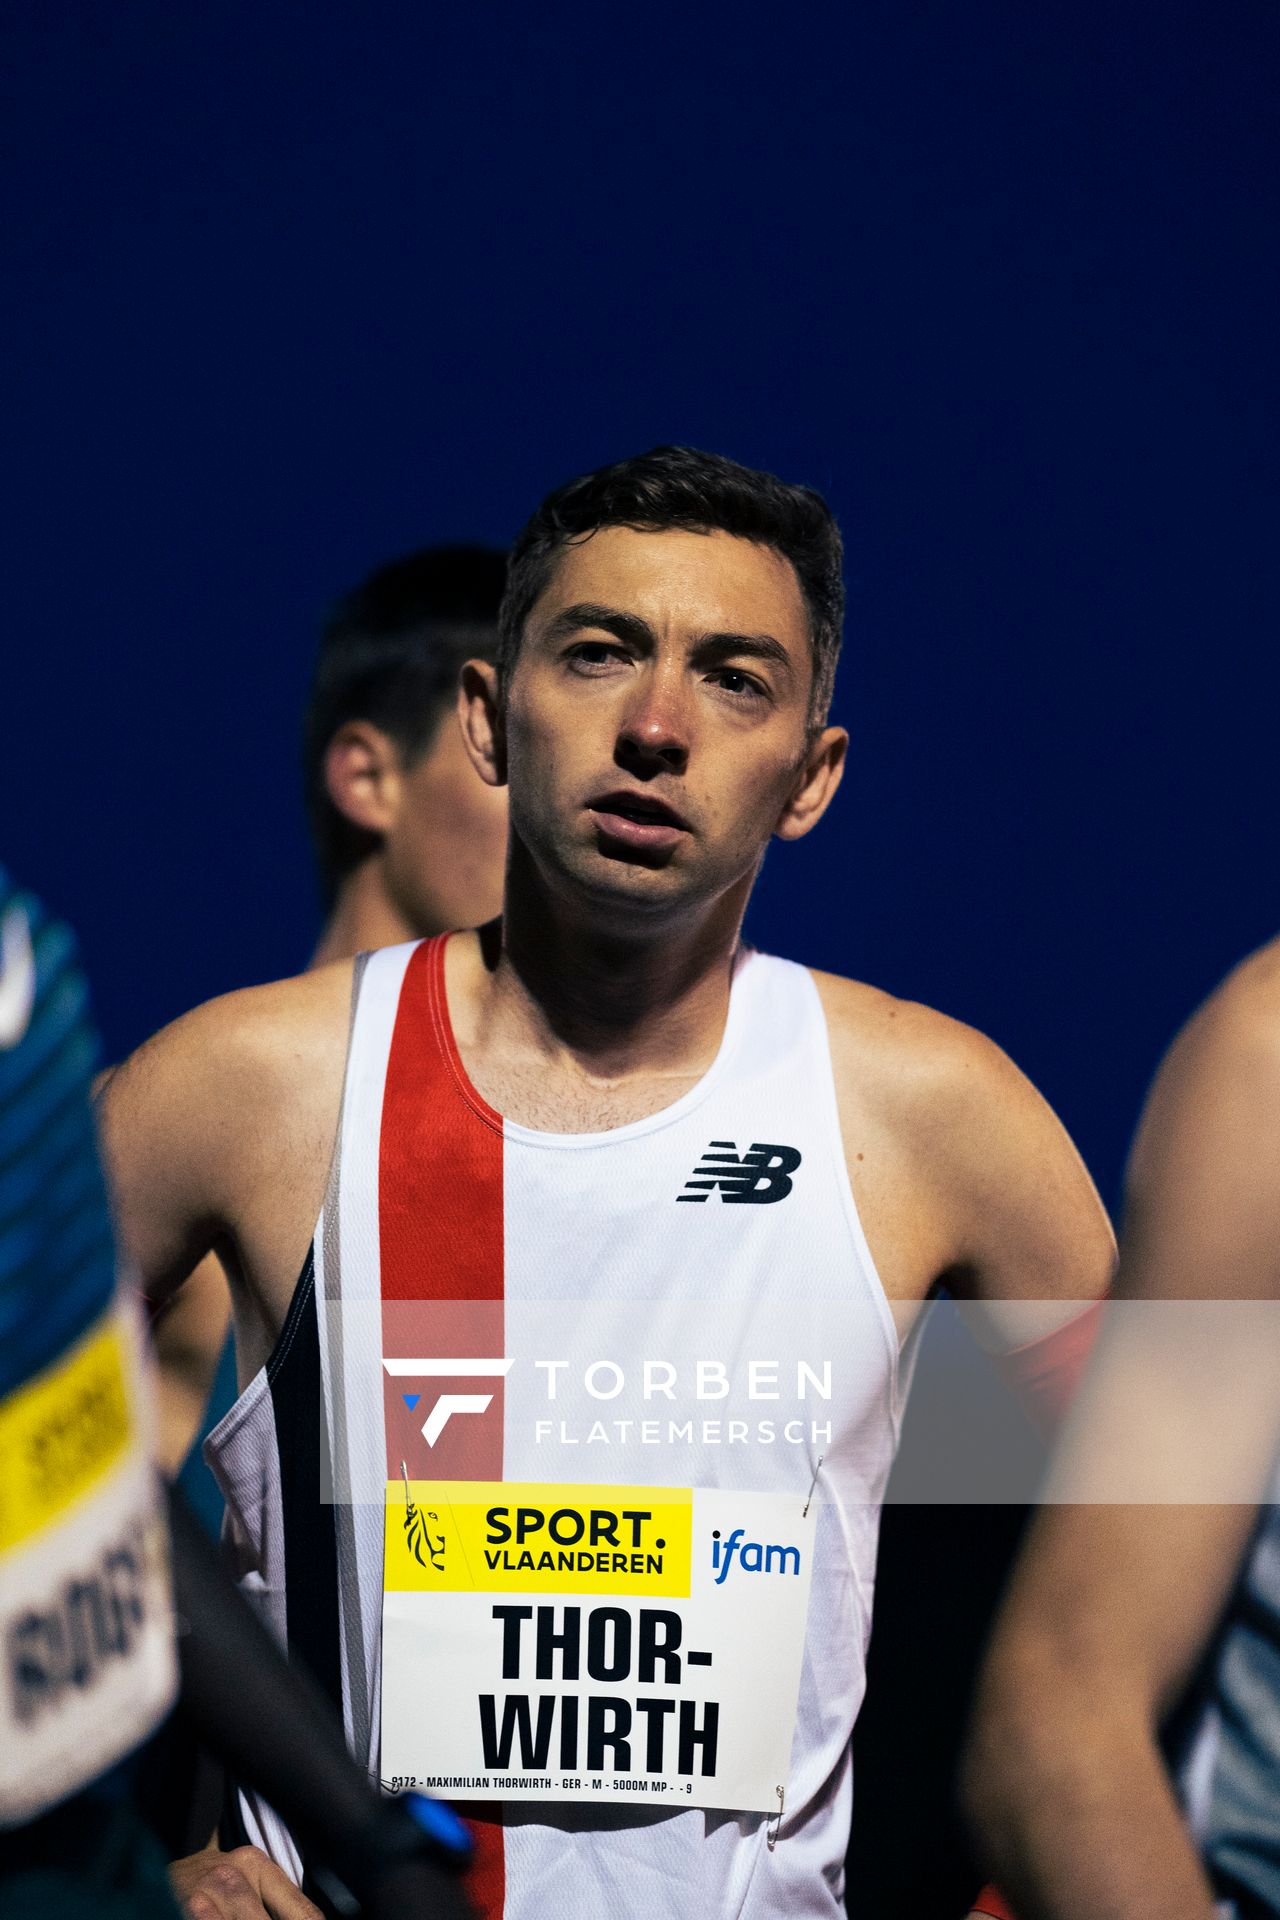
<point x="739" y="683"/>
<point x="593" y="656"/>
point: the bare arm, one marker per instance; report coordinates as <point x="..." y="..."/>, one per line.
<point x="1030" y="1237"/>
<point x="1112" y="1603"/>
<point x="171" y="1146"/>
<point x="217" y="1135"/>
<point x="961" y="1170"/>
<point x="188" y="1335"/>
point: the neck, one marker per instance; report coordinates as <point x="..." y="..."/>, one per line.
<point x="364" y="916"/>
<point x="653" y="995"/>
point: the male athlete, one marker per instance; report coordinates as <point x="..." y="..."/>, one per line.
<point x="407" y="840"/>
<point x="573" y="1188"/>
<point x="1118" y="1605"/>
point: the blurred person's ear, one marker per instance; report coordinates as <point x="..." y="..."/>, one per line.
<point x="364" y="775"/>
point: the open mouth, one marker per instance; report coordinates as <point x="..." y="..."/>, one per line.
<point x="637" y="819"/>
<point x="643" y="808"/>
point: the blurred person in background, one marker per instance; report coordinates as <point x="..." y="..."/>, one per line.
<point x="408" y="842"/>
<point x="1125" y="1759"/>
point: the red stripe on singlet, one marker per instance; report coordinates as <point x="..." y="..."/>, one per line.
<point x="440" y="1178"/>
<point x="440" y="1231"/>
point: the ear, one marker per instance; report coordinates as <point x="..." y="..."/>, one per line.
<point x="816" y="784"/>
<point x="363" y="775"/>
<point x="480" y="717"/>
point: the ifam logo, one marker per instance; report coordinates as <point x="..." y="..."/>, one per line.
<point x="753" y="1556"/>
<point x="447" y="1404"/>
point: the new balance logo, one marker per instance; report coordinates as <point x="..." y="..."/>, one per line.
<point x="755" y="1178"/>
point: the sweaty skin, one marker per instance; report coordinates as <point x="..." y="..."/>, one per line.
<point x="655" y="734"/>
<point x="1112" y="1604"/>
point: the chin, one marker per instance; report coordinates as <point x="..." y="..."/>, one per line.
<point x="580" y="871"/>
<point x="627" y="882"/>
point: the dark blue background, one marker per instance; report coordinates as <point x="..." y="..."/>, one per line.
<point x="292" y="288"/>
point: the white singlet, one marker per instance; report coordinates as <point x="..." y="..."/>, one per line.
<point x="688" y="1301"/>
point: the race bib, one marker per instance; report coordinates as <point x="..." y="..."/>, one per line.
<point x="591" y="1643"/>
<point x="86" y="1630"/>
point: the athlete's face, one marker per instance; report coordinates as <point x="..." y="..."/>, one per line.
<point x="656" y="727"/>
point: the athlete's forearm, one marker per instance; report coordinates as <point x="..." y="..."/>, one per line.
<point x="1076" y="1819"/>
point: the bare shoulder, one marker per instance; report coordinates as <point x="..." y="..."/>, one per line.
<point x="255" y="1040"/>
<point x="934" y="1111"/>
<point x="921" y="1066"/>
<point x="236" y="1084"/>
<point x="218" y="1131"/>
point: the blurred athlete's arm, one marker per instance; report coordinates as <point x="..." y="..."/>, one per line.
<point x="1112" y="1603"/>
<point x="276" y="1730"/>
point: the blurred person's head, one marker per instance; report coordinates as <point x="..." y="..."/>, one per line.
<point x="408" y="840"/>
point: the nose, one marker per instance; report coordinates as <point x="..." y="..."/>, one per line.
<point x="653" y="735"/>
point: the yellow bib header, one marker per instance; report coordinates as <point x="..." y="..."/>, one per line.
<point x="454" y="1536"/>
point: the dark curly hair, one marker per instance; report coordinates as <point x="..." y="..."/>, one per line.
<point x="681" y="487"/>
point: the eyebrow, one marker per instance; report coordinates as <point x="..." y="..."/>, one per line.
<point x="630" y="627"/>
<point x="587" y="613"/>
<point x="751" y="646"/>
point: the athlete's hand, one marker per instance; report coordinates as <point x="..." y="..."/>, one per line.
<point x="243" y="1885"/>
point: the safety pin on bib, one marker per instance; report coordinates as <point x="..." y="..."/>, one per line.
<point x="808" y="1499"/>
